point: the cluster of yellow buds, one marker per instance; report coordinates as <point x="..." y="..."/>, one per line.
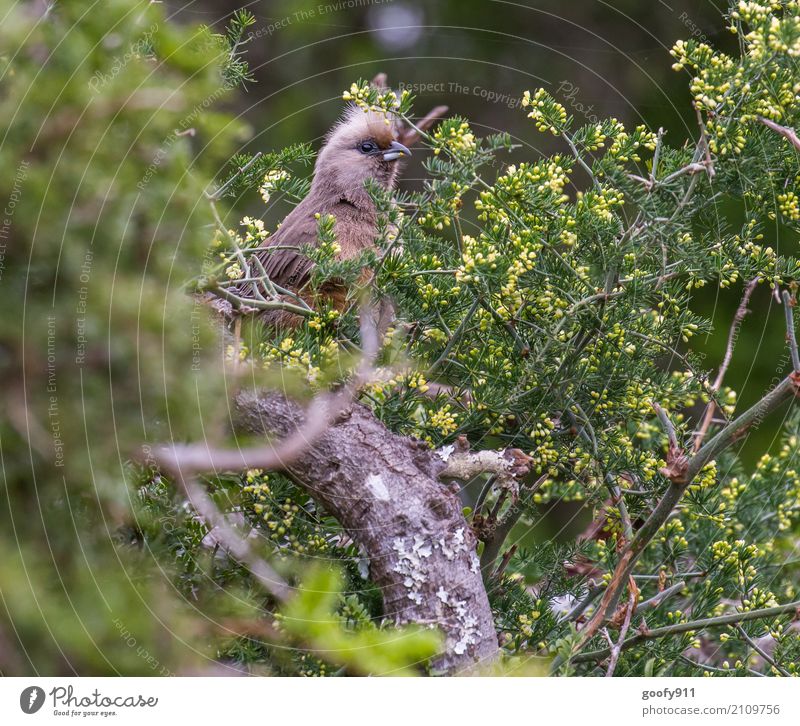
<point x="673" y="534"/>
<point x="789" y="206"/>
<point x="547" y="113"/>
<point x="478" y="255"/>
<point x="600" y="204"/>
<point x="323" y="319"/>
<point x="293" y="355"/>
<point x="282" y="520"/>
<point x="706" y="478"/>
<point x="372" y="100"/>
<point x="626" y="145"/>
<point x="255" y="231"/>
<point x="443" y="420"/>
<point x="526" y="622"/>
<point x="271" y="180"/>
<point x="457" y="138"/>
<point x="544" y="452"/>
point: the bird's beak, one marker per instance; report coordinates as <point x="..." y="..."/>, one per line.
<point x="395" y="151"/>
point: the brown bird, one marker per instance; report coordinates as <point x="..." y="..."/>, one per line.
<point x="362" y="146"/>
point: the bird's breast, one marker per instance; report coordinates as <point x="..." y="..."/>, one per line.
<point x="355" y="230"/>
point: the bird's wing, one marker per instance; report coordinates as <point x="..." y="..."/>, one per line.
<point x="282" y="256"/>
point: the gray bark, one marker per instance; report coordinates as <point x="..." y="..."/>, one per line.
<point x="385" y="491"/>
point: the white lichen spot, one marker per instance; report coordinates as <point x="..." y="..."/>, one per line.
<point x="468" y="633"/>
<point x="445" y="451"/>
<point x="377" y="486"/>
<point x="410" y="556"/>
<point x="456" y="545"/>
<point x="421" y="547"/>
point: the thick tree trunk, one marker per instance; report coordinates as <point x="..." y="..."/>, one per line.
<point x="385" y="491"/>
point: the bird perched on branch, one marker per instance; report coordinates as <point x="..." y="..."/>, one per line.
<point x="361" y="147"/>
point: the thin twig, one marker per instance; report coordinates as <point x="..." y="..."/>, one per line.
<point x="667" y="424"/>
<point x="709" y="163"/>
<point x="656" y="600"/>
<point x="233" y="542"/>
<point x="729" y="619"/>
<point x="579" y="158"/>
<point x="239" y="302"/>
<point x="785" y="131"/>
<point x="711" y="669"/>
<point x="504" y="562"/>
<point x="219" y="193"/>
<point x="733" y="334"/>
<point x="788" y="308"/>
<point x="767" y="658"/>
<point x="459" y="331"/>
<point x="623" y="631"/>
<point x="656" y="155"/>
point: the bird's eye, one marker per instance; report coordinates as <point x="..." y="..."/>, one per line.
<point x="367" y="147"/>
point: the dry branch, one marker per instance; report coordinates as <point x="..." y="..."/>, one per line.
<point x="667" y="630"/>
<point x="733" y="334"/>
<point x="785" y="131"/>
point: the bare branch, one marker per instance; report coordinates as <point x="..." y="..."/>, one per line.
<point x="667" y="424"/>
<point x="220" y="192"/>
<point x="785" y="131"/>
<point x="711" y="669"/>
<point x="656" y="600"/>
<point x="230" y="540"/>
<point x="677" y="628"/>
<point x="617" y="648"/>
<point x="752" y="643"/>
<point x="788" y="309"/>
<point x="677" y="461"/>
<point x="508" y="465"/>
<point x="385" y="490"/>
<point x="253" y="304"/>
<point x="733" y="334"/>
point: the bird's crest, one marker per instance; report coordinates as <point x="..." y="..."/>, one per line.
<point x="356" y="124"/>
